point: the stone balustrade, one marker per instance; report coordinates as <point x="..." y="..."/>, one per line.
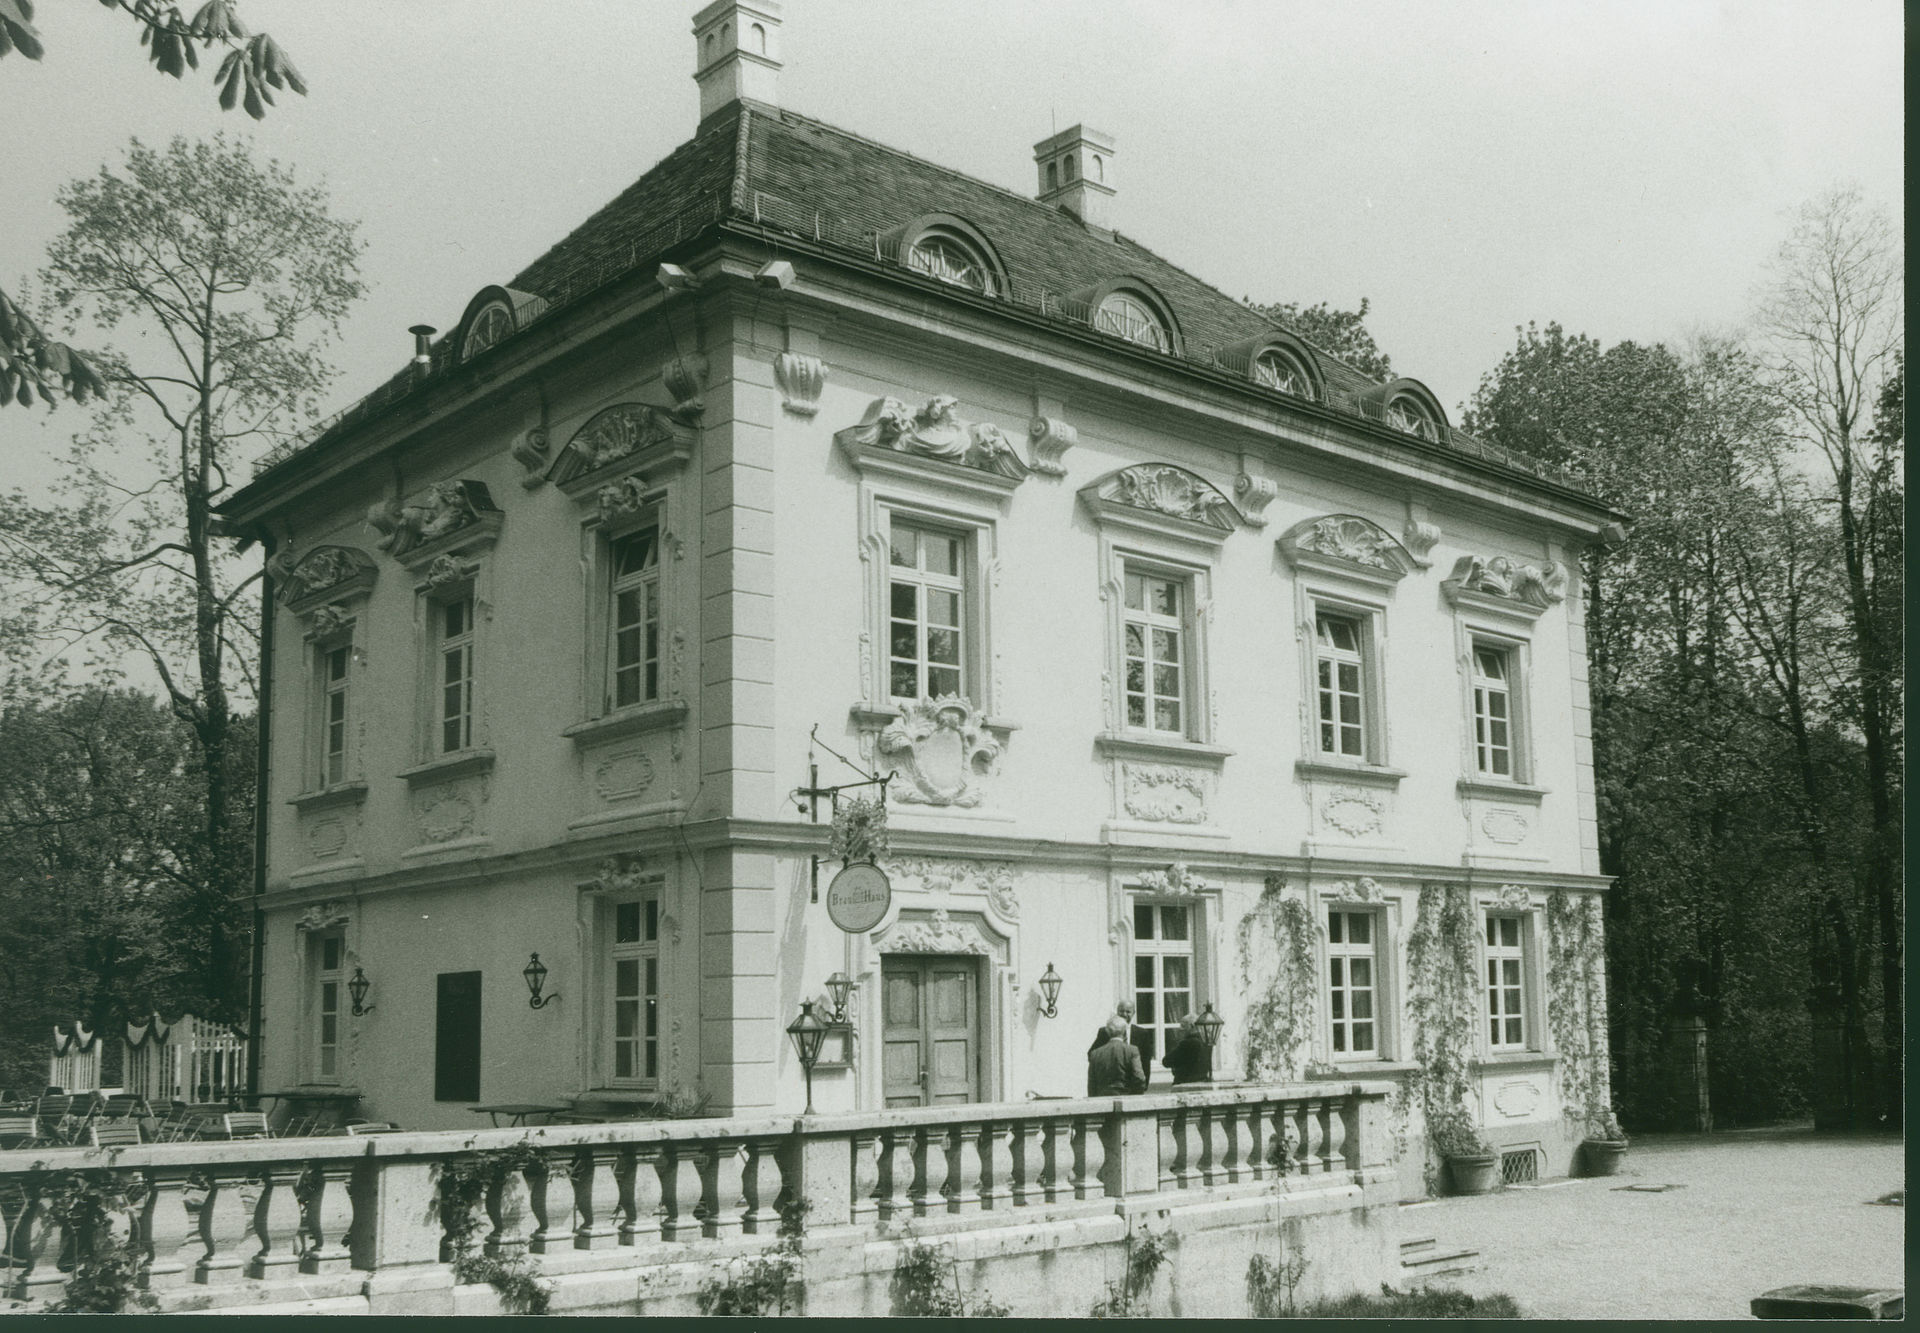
<point x="329" y="1213"/>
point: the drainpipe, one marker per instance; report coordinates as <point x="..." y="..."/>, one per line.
<point x="263" y="726"/>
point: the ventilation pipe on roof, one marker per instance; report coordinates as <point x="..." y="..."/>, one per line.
<point x="422" y="353"/>
<point x="1076" y="173"/>
<point x="737" y="53"/>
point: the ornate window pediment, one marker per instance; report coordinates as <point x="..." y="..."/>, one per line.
<point x="933" y="441"/>
<point x="451" y="518"/>
<point x="936" y="933"/>
<point x="942" y="753"/>
<point x="1160" y="497"/>
<point x="324" y="574"/>
<point x="619" y="443"/>
<point x="1505" y="587"/>
<point x="1349" y="545"/>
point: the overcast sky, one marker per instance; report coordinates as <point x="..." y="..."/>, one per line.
<point x="1622" y="166"/>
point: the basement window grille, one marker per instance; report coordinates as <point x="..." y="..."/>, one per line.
<point x="1520" y="1168"/>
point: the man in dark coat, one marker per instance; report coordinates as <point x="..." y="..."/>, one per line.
<point x="1114" y="1069"/>
<point x="1142" y="1038"/>
<point x="1190" y="1060"/>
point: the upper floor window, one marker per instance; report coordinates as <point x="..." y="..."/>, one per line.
<point x="1406" y="414"/>
<point x="634" y="617"/>
<point x="1277" y="370"/>
<point x="1131" y="318"/>
<point x="492" y="325"/>
<point x="927" y="596"/>
<point x="336" y="661"/>
<point x="943" y="255"/>
<point x="455" y="617"/>
<point x="1341" y="671"/>
<point x="1155" y="649"/>
<point x="1493" y="750"/>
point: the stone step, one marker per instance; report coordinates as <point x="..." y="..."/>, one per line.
<point x="1423" y="1261"/>
<point x="1409" y="1248"/>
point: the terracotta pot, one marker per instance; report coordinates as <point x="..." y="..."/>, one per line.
<point x="1603" y="1155"/>
<point x="1474" y="1175"/>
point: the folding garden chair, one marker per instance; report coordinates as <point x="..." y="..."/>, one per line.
<point x="372" y="1127"/>
<point x="19" y="1131"/>
<point x="246" y="1125"/>
<point x="55" y="1115"/>
<point x="113" y="1134"/>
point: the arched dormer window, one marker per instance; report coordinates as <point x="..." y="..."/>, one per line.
<point x="1125" y="314"/>
<point x="494" y="315"/>
<point x="1276" y="368"/>
<point x="1407" y="406"/>
<point x="950" y="250"/>
<point x="494" y="324"/>
<point x="1406" y="413"/>
<point x="1275" y="360"/>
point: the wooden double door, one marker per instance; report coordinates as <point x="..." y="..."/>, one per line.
<point x="932" y="1033"/>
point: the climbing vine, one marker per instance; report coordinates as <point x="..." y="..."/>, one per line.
<point x="95" y="1208"/>
<point x="1440" y="1006"/>
<point x="1127" y="1298"/>
<point x="1277" y="933"/>
<point x="463" y="1184"/>
<point x="1576" y="980"/>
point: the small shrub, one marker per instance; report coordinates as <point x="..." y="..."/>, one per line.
<point x="765" y="1284"/>
<point x="1271" y="1285"/>
<point x="462" y="1185"/>
<point x="106" y="1275"/>
<point x="926" y="1283"/>
<point x="1430" y="1303"/>
<point x="1127" y="1299"/>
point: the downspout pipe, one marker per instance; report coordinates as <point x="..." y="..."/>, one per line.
<point x="263" y="728"/>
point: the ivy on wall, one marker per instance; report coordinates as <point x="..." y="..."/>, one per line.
<point x="1440" y="1006"/>
<point x="1576" y="1006"/>
<point x="1278" y="935"/>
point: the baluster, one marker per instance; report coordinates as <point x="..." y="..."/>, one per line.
<point x="758" y="1189"/>
<point x="683" y="1193"/>
<point x="276" y="1221"/>
<point x="507" y="1211"/>
<point x="1325" y="1119"/>
<point x="596" y="1197"/>
<point x="929" y="1172"/>
<point x="1089" y="1156"/>
<point x="896" y="1174"/>
<point x="1233" y="1128"/>
<point x="867" y="1147"/>
<point x="543" y="1197"/>
<point x="1186" y="1163"/>
<point x="329" y="1217"/>
<point x="1169" y="1148"/>
<point x="1253" y="1148"/>
<point x="1336" y="1136"/>
<point x="964" y="1151"/>
<point x="223" y="1228"/>
<point x="641" y="1192"/>
<point x="37" y="1243"/>
<point x="1280" y="1139"/>
<point x="1316" y="1147"/>
<point x="167" y="1230"/>
<point x="722" y="1189"/>
<point x="1302" y="1143"/>
<point x="1009" y="1152"/>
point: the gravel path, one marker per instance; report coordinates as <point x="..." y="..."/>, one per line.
<point x="1756" y="1210"/>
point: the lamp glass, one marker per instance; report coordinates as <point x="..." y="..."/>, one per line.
<point x="1050" y="986"/>
<point x="807" y="1032"/>
<point x="536" y="974"/>
<point x="357" y="988"/>
<point x="1209" y="1024"/>
<point x="839" y="986"/>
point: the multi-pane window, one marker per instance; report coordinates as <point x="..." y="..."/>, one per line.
<point x="1506" y="990"/>
<point x="1340" y="665"/>
<point x="335" y="661"/>
<point x="1155" y="629"/>
<point x="326" y="1008"/>
<point x="1277" y="370"/>
<point x="1162" y="969"/>
<point x="1130" y="318"/>
<point x="1351" y="982"/>
<point x="948" y="259"/>
<point x="456" y="672"/>
<point x="635" y="617"/>
<point x="635" y="1030"/>
<point x="926" y="629"/>
<point x="1493" y="710"/>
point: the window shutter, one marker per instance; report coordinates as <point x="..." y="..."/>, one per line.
<point x="456" y="1050"/>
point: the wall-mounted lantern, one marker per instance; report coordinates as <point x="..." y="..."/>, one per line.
<point x="840" y="987"/>
<point x="1050" y="990"/>
<point x="358" y="988"/>
<point x="1209" y="1024"/>
<point x="536" y="974"/>
<point x="807" y="1032"/>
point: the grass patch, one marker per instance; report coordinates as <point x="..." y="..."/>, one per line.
<point x="1432" y="1303"/>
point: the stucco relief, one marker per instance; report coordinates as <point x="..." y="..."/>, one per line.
<point x="942" y="751"/>
<point x="801" y="379"/>
<point x="686" y="379"/>
<point x="1255" y="494"/>
<point x="1513" y="897"/>
<point x="324" y="569"/>
<point x="326" y="838"/>
<point x="530" y="451"/>
<point x="1537" y="586"/>
<point x="1362" y="890"/>
<point x="937" y="934"/>
<point x="618" y="431"/>
<point x="623" y="775"/>
<point x="1175" y="879"/>
<point x="619" y="498"/>
<point x="447" y="569"/>
<point x="323" y="916"/>
<point x="935" y="431"/>
<point x="1505" y="825"/>
<point x="329" y="620"/>
<point x="1350" y="541"/>
<point x="1518" y="1098"/>
<point x="447" y="507"/>
<point x="444" y="814"/>
<point x="1165" y="794"/>
<point x="620" y="874"/>
<point x="1047" y="439"/>
<point x="1419" y="538"/>
<point x="1164" y="489"/>
<point x="995" y="879"/>
<point x="1353" y="811"/>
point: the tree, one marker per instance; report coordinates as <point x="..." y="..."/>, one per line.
<point x="1341" y="332"/>
<point x="1831" y="316"/>
<point x="224" y="281"/>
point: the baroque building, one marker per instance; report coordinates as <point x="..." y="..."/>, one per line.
<point x="1199" y="669"/>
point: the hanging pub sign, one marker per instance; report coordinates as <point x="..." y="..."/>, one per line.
<point x="858" y="897"/>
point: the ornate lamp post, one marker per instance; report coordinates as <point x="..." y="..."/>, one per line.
<point x="357" y="988"/>
<point x="1050" y="990"/>
<point x="1209" y="1024"/>
<point x="807" y="1032"/>
<point x="535" y="973"/>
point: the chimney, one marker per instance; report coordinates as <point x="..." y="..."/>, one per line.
<point x="422" y="347"/>
<point x="737" y="53"/>
<point x="1076" y="171"/>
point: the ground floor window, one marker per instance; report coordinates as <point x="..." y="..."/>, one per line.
<point x="1163" y="986"/>
<point x="633" y="1032"/>
<point x="1351" y="982"/>
<point x="329" y="952"/>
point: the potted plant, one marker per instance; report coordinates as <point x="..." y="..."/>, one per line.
<point x="1472" y="1164"/>
<point x="1605" y="1144"/>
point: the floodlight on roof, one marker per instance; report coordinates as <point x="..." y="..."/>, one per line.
<point x="676" y="279"/>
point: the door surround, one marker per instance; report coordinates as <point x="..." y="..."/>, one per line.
<point x="937" y="930"/>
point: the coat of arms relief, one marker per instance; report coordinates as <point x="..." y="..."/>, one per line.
<point x="941" y="751"/>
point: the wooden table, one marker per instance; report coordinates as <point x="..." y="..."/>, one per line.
<point x="517" y="1112"/>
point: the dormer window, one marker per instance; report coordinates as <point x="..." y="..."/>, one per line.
<point x="494" y="324"/>
<point x="1129" y="317"/>
<point x="946" y="257"/>
<point x="1405" y="413"/>
<point x="1279" y="370"/>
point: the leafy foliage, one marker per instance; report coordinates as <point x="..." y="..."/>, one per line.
<point x="94" y="1208"/>
<point x="1440" y="1007"/>
<point x="1272" y="1283"/>
<point x="766" y="1283"/>
<point x="1427" y="1303"/>
<point x="461" y="1188"/>
<point x="1341" y="332"/>
<point x="1127" y="1298"/>
<point x="926" y="1283"/>
<point x="1576" y="1004"/>
<point x="1277" y="935"/>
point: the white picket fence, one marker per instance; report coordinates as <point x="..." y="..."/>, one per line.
<point x="190" y="1060"/>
